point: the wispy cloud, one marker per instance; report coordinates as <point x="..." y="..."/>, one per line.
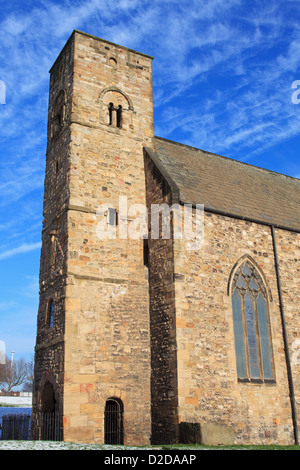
<point x="31" y="287"/>
<point x="234" y="78"/>
<point x="222" y="74"/>
<point x="20" y="249"/>
<point x="222" y="82"/>
<point x="200" y="43"/>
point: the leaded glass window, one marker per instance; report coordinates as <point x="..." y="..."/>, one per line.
<point x="254" y="358"/>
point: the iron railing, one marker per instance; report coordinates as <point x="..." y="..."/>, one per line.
<point x="51" y="426"/>
<point x="16" y="427"/>
<point x="113" y="422"/>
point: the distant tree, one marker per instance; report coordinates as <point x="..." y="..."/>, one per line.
<point x="14" y="374"/>
<point x="27" y="387"/>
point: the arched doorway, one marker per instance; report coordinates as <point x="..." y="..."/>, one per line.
<point x="49" y="418"/>
<point x="113" y="422"/>
<point x="48" y="400"/>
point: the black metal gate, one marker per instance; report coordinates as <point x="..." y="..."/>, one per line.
<point x="113" y="422"/>
<point x="50" y="426"/>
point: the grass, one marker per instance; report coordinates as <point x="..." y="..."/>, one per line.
<point x="231" y="447"/>
<point x="49" y="445"/>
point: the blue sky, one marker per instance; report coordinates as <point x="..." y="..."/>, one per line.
<point x="222" y="76"/>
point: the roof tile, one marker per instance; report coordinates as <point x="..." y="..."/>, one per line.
<point x="231" y="186"/>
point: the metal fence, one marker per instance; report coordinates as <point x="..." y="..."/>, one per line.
<point x="51" y="426"/>
<point x="16" y="427"/>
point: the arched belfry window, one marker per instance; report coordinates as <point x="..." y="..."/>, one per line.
<point x="116" y="109"/>
<point x="115" y="115"/>
<point x="250" y="306"/>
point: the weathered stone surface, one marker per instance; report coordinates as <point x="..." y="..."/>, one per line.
<point x="213" y="434"/>
<point x="159" y="339"/>
<point x="201" y="348"/>
<point x="99" y="286"/>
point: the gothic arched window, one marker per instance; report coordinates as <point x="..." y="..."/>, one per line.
<point x="254" y="358"/>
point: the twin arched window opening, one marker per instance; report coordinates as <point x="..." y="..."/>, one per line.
<point x="115" y="115"/>
<point x="254" y="357"/>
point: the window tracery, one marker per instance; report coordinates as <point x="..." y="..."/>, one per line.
<point x="253" y="346"/>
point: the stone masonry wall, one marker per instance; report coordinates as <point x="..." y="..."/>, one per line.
<point x="208" y="390"/>
<point x="162" y="319"/>
<point x="49" y="350"/>
<point x="194" y="290"/>
<point x="107" y="343"/>
<point x="288" y="251"/>
<point x="175" y="363"/>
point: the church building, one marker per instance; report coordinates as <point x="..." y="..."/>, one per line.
<point x="169" y="279"/>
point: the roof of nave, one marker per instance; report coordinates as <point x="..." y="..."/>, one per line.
<point x="229" y="186"/>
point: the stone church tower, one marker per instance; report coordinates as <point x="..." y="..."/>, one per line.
<point x="93" y="344"/>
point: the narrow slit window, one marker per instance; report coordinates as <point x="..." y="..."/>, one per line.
<point x="53" y="243"/>
<point x="146" y="252"/>
<point x="50" y="314"/>
<point x="115" y="115"/>
<point x="119" y="116"/>
<point x="110" y="113"/>
<point x="58" y="115"/>
<point x="111" y="216"/>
